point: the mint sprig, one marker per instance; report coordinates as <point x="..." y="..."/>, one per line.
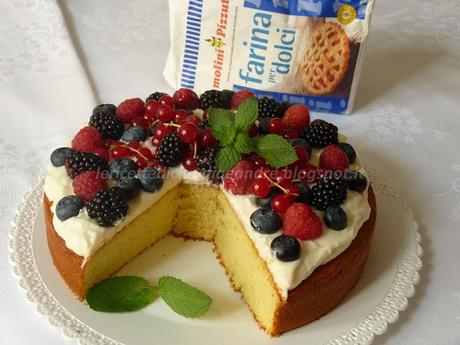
<point x="275" y="150"/>
<point x="183" y="298"/>
<point x="131" y="293"/>
<point x="231" y="131"/>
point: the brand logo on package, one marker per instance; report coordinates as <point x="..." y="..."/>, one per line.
<point x="309" y="8"/>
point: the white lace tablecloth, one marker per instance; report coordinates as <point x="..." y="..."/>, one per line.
<point x="58" y="58"/>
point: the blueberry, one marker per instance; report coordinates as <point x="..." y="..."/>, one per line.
<point x="335" y="218"/>
<point x="349" y="150"/>
<point x="302" y="143"/>
<point x="69" y="206"/>
<point x="128" y="186"/>
<point x="286" y="248"/>
<point x="263" y="125"/>
<point x="267" y="201"/>
<point x="150" y="179"/>
<point x="355" y="181"/>
<point x="105" y="108"/>
<point x="59" y="156"/>
<point x="134" y="133"/>
<point x="122" y="167"/>
<point x="304" y="194"/>
<point x="265" y="221"/>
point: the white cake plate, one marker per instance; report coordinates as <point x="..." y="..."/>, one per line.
<point x="388" y="281"/>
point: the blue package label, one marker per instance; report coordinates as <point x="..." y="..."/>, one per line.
<point x="309" y="8"/>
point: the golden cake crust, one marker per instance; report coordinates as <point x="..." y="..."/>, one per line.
<point x="314" y="297"/>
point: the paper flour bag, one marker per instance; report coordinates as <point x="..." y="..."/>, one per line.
<point x="295" y="51"/>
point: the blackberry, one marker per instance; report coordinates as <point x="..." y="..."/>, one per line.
<point x="212" y="98"/>
<point x="107" y="207"/>
<point x="171" y="150"/>
<point x="227" y="95"/>
<point x="269" y="108"/>
<point x="206" y="164"/>
<point x="105" y="108"/>
<point x="155" y="97"/>
<point x="79" y="162"/>
<point x="107" y="124"/>
<point x="329" y="191"/>
<point x="204" y="124"/>
<point x="320" y="133"/>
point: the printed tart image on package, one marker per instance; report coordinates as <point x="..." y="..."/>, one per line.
<point x="295" y="51"/>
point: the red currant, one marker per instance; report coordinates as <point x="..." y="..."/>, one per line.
<point x="161" y="130"/>
<point x="302" y="154"/>
<point x="189" y="162"/>
<point x="193" y="119"/>
<point x="140" y="121"/>
<point x="180" y="115"/>
<point x="253" y="131"/>
<point x="261" y="187"/>
<point x="167" y="100"/>
<point x="292" y="189"/>
<point x="275" y="126"/>
<point x="144" y="151"/>
<point x="281" y="202"/>
<point x="165" y="113"/>
<point x="120" y="151"/>
<point x="134" y="144"/>
<point x="150" y="110"/>
<point x="186" y="99"/>
<point x="291" y="133"/>
<point x="206" y="139"/>
<point x="108" y="143"/>
<point x="104" y="153"/>
<point x="141" y="162"/>
<point x="187" y="132"/>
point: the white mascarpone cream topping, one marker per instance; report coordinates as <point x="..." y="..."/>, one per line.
<point x="84" y="236"/>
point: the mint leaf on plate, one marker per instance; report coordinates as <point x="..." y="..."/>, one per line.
<point x="183" y="298"/>
<point x="121" y="294"/>
<point x="246" y="114"/>
<point x="222" y="125"/>
<point x="227" y="158"/>
<point x="275" y="150"/>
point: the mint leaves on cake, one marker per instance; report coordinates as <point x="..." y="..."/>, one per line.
<point x="130" y="293"/>
<point x="231" y="129"/>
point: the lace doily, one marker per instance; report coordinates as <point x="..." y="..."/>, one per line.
<point x="395" y="300"/>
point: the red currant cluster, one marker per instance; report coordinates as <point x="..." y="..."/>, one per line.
<point x="134" y="150"/>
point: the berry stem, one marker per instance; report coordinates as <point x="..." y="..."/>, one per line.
<point x="284" y="190"/>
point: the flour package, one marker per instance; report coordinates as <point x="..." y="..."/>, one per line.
<point x="295" y="51"/>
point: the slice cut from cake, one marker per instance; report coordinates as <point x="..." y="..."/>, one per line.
<point x="285" y="201"/>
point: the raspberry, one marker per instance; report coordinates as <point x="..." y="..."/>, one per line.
<point x="87" y="139"/>
<point x="130" y="109"/>
<point x="186" y="99"/>
<point x="334" y="159"/>
<point x="297" y="115"/>
<point x="301" y="222"/>
<point x="87" y="184"/>
<point x="239" y="97"/>
<point x="240" y="178"/>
